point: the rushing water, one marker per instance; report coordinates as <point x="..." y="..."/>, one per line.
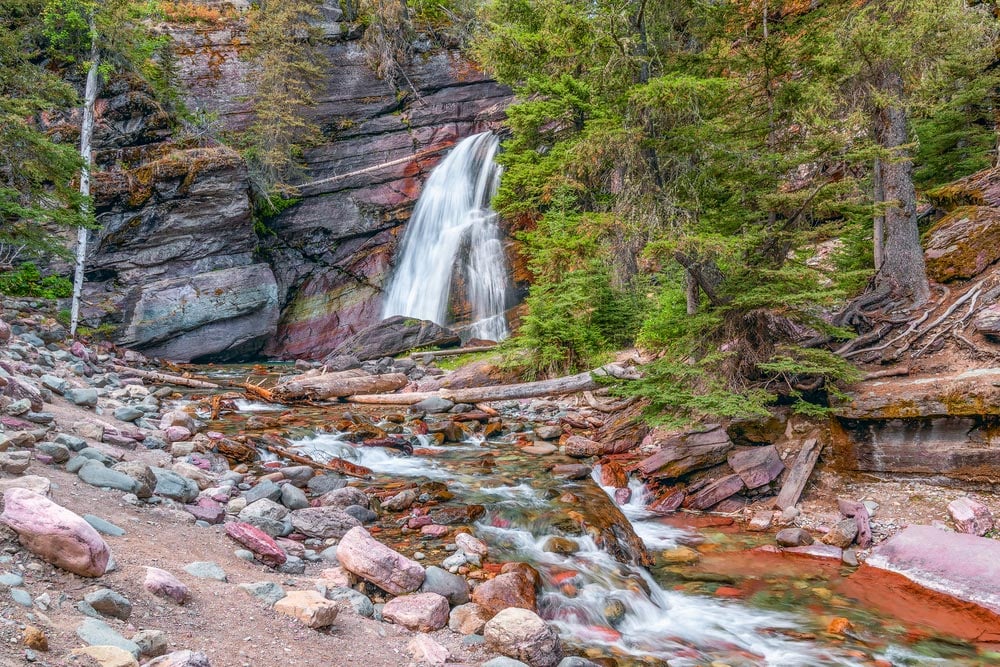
<point x="669" y="614"/>
<point x="453" y="227"/>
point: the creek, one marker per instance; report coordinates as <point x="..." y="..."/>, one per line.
<point x="712" y="596"/>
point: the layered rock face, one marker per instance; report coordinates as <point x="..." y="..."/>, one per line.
<point x="178" y="264"/>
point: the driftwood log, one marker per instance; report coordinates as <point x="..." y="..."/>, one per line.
<point x="337" y="385"/>
<point x="164" y="378"/>
<point x="565" y="385"/>
<point x="797" y="478"/>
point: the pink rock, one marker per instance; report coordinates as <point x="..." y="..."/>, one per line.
<point x="623" y="495"/>
<point x="176" y="434"/>
<point x="177" y="418"/>
<point x="426" y="651"/>
<point x="524" y="636"/>
<point x="360" y="553"/>
<point x="5" y="332"/>
<point x="183" y="658"/>
<point x="816" y="551"/>
<point x="963" y="566"/>
<point x="510" y="589"/>
<point x="207" y="510"/>
<point x="434" y="530"/>
<point x="78" y="350"/>
<point x="419" y="521"/>
<point x="422" y="612"/>
<point x="165" y="585"/>
<point x="970" y="516"/>
<point x="55" y="534"/>
<point x="257" y="541"/>
<point x="470" y="544"/>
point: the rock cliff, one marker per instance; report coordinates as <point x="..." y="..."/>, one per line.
<point x="179" y="264"/>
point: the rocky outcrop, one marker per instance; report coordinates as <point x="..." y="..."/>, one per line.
<point x="174" y="216"/>
<point x="394" y="336"/>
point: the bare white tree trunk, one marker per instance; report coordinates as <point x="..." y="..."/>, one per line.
<point x="86" y="134"/>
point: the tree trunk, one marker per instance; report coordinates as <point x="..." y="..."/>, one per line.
<point x="691" y="292"/>
<point x="337" y="385"/>
<point x="903" y="271"/>
<point x="86" y="134"/>
<point x="878" y="234"/>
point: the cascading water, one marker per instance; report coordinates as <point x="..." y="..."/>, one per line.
<point x="451" y="224"/>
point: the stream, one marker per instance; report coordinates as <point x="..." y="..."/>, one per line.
<point x="711" y="596"/>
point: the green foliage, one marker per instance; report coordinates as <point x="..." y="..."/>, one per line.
<point x="724" y="146"/>
<point x="288" y="67"/>
<point x="26" y="280"/>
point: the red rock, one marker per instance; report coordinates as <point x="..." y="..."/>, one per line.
<point x="512" y="589"/>
<point x="622" y="496"/>
<point x="54" y="533"/>
<point x="757" y="466"/>
<point x="614" y="475"/>
<point x="176" y="434"/>
<point x="816" y="551"/>
<point x="715" y="492"/>
<point x="669" y="501"/>
<point x="419" y="521"/>
<point x="421" y="612"/>
<point x="371" y="560"/>
<point x="728" y="592"/>
<point x="207" y="510"/>
<point x="257" y="541"/>
<point x="165" y="585"/>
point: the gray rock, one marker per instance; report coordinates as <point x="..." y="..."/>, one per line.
<point x="109" y="603"/>
<point x="442" y="582"/>
<point x="323" y="522"/>
<point x="842" y="535"/>
<point x="55" y="384"/>
<point x="176" y="487"/>
<point x="793" y="537"/>
<point x="264" y="489"/>
<point x="401" y="501"/>
<point x="574" y="661"/>
<point x="502" y="662"/>
<point x="39" y="417"/>
<point x="298" y="475"/>
<point x="95" y="474"/>
<point x="141" y="473"/>
<point x="59" y="453"/>
<point x="73" y="442"/>
<point x="433" y="404"/>
<point x="362" y="514"/>
<point x="344" y="497"/>
<point x="205" y="570"/>
<point x="98" y="633"/>
<point x="97" y="455"/>
<point x="292" y="565"/>
<point x="393" y="336"/>
<point x="10" y="580"/>
<point x="18" y="407"/>
<point x="266" y="515"/>
<point x="21" y="597"/>
<point x="360" y="602"/>
<point x="321" y="484"/>
<point x="102" y="526"/>
<point x="267" y="591"/>
<point x="293" y="497"/>
<point x="86" y="396"/>
<point x="128" y="413"/>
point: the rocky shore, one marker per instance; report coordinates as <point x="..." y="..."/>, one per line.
<point x="135" y="534"/>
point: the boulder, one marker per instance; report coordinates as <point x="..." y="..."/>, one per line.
<point x="323" y="522"/>
<point x="523" y="635"/>
<point x="216" y="315"/>
<point x="443" y="582"/>
<point x="393" y="336"/>
<point x="95" y="474"/>
<point x="344" y="497"/>
<point x="359" y="553"/>
<point x="684" y="453"/>
<point x="715" y="492"/>
<point x="420" y="612"/>
<point x="54" y="533"/>
<point x="512" y="589"/>
<point x="309" y="607"/>
<point x="580" y="447"/>
<point x="756" y="466"/>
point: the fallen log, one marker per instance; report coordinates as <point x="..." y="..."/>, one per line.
<point x="337" y="385"/>
<point x="565" y="385"/>
<point x="796" y="481"/>
<point x="164" y="378"/>
<point x="334" y="465"/>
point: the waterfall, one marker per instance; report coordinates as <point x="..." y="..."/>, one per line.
<point x="453" y="227"/>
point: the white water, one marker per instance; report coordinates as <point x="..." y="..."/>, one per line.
<point x="452" y="215"/>
<point x="655" y="535"/>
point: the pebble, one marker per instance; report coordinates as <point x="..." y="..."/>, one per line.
<point x="266" y="591"/>
<point x="21" y="597"/>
